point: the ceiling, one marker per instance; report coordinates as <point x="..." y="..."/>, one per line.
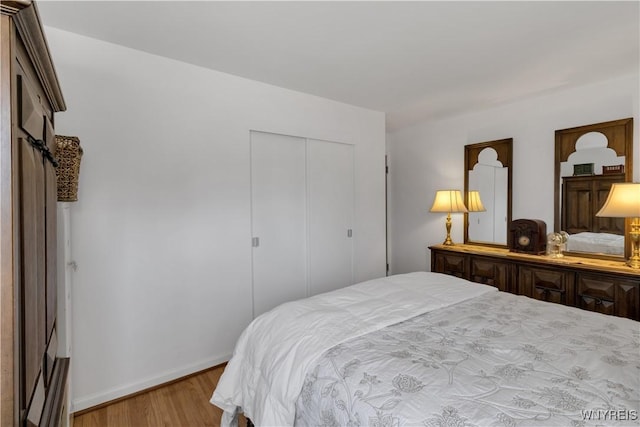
<point x="413" y="60"/>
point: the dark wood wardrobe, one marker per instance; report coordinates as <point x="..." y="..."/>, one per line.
<point x="33" y="380"/>
<point x="582" y="198"/>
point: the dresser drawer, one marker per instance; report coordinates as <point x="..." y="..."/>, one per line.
<point x="490" y="272"/>
<point x="607" y="294"/>
<point x="449" y="263"/>
<point x="546" y="284"/>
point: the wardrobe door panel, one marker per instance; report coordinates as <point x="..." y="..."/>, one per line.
<point x="51" y="237"/>
<point x="330" y="183"/>
<point x="34" y="414"/>
<point x="278" y="204"/>
<point x="51" y="245"/>
<point x="30" y="110"/>
<point x="601" y="190"/>
<point x="32" y="263"/>
<point x="578" y="201"/>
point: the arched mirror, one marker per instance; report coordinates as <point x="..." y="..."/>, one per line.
<point x="487" y="192"/>
<point x="588" y="160"/>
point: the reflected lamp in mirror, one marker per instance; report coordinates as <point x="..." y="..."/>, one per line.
<point x="449" y="201"/>
<point x="474" y="204"/>
<point x="623" y="201"/>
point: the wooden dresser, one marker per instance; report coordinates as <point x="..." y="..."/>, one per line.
<point x="608" y="287"/>
<point x="33" y="379"/>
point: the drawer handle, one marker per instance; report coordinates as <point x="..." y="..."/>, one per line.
<point x="597" y="301"/>
<point x="546" y="291"/>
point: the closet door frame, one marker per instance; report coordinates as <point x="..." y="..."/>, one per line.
<point x="305" y="287"/>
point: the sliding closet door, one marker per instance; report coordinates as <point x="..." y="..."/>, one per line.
<point x="278" y="204"/>
<point x="330" y="192"/>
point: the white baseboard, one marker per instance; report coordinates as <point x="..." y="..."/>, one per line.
<point x="84" y="402"/>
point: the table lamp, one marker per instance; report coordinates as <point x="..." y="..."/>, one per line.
<point x="623" y="201"/>
<point x="449" y="201"/>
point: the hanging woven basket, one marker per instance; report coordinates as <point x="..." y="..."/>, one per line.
<point x="68" y="155"/>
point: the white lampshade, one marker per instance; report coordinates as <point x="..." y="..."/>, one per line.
<point x="623" y="201"/>
<point x="449" y="201"/>
<point x="474" y="204"/>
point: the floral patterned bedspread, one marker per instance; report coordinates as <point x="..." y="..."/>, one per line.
<point x="496" y="360"/>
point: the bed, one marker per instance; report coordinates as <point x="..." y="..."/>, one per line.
<point x="432" y="350"/>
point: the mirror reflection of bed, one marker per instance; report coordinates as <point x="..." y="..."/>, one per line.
<point x="601" y="243"/>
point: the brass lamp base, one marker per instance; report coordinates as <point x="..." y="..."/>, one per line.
<point x="634" y="262"/>
<point x="634" y="235"/>
<point x="448" y="241"/>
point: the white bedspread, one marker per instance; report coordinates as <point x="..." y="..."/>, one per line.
<point x="495" y="360"/>
<point x="267" y="371"/>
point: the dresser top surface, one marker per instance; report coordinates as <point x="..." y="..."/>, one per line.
<point x="591" y="264"/>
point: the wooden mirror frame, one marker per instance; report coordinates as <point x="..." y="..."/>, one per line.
<point x="504" y="148"/>
<point x="619" y="134"/>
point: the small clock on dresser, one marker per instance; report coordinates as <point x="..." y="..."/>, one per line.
<point x="528" y="236"/>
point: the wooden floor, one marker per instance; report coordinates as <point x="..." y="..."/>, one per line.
<point x="181" y="404"/>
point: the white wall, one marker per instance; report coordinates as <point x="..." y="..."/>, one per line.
<point x="161" y="231"/>
<point x="430" y="156"/>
